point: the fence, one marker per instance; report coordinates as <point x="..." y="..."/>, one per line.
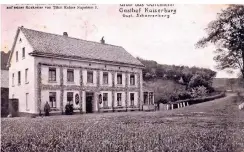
<point x="187" y="102"/>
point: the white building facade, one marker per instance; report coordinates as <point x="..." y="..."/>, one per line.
<point x="110" y="80"/>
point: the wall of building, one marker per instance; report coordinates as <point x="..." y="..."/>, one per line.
<point x="19" y="91"/>
<point x="80" y="84"/>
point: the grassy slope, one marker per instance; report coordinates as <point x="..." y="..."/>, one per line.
<point x="161" y="87"/>
<point x="217" y="125"/>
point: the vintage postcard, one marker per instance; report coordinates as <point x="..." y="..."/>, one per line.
<point x="122" y="77"/>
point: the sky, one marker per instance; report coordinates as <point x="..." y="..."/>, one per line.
<point x="165" y="40"/>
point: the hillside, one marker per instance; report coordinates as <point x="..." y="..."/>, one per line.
<point x="162" y="88"/>
<point x="172" y="83"/>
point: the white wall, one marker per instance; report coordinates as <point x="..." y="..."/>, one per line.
<point x="84" y="64"/>
<point x="19" y="91"/>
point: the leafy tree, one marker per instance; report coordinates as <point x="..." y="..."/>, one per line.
<point x="227" y="34"/>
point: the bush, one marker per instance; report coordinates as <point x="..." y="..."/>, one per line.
<point x="199" y="91"/>
<point x="196" y="81"/>
<point x="184" y="95"/>
<point x="69" y="109"/>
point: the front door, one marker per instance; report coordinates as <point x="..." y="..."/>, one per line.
<point x="89" y="100"/>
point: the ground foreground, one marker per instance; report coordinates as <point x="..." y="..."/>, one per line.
<point x="212" y="126"/>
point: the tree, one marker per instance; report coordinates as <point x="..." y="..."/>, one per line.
<point x="227" y="34"/>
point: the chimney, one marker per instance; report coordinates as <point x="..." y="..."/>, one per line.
<point x="102" y="40"/>
<point x="65" y="34"/>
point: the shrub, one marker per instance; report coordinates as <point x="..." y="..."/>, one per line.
<point x="174" y="97"/>
<point x="199" y="91"/>
<point x="197" y="80"/>
<point x="184" y="95"/>
<point x="69" y="109"/>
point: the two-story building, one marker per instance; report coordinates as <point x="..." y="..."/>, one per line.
<point x="59" y="69"/>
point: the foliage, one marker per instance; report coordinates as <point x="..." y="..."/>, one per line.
<point x="69" y="109"/>
<point x="185" y="95"/>
<point x="227" y="33"/>
<point x="179" y="74"/>
<point x="198" y="80"/>
<point x="199" y="91"/>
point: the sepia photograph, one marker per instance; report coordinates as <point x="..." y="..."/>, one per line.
<point x="122" y="77"/>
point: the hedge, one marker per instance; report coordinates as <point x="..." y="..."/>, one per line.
<point x="199" y="100"/>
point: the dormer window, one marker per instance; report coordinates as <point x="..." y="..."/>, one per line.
<point x="23" y="52"/>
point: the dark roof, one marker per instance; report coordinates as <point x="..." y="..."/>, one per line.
<point x="4" y="60"/>
<point x="53" y="44"/>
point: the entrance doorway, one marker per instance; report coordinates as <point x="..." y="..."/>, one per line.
<point x="89" y="101"/>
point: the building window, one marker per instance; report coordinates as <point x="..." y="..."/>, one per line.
<point x="23" y="52"/>
<point x="105" y="77"/>
<point x="145" y="97"/>
<point x="105" y="99"/>
<point x="77" y="99"/>
<point x="132" y="79"/>
<point x="151" y="98"/>
<point x="26" y="75"/>
<point x="19" y="78"/>
<point x="70" y="97"/>
<point x="13" y="79"/>
<point x="90" y="76"/>
<point x="17" y="57"/>
<point x="119" y="78"/>
<point x="70" y="75"/>
<point x="52" y="99"/>
<point x="52" y="74"/>
<point x="132" y="96"/>
<point x="119" y="101"/>
<point x="27" y="100"/>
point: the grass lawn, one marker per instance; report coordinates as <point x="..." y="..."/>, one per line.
<point x="212" y="126"/>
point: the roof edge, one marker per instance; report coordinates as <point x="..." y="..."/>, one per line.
<point x="13" y="46"/>
<point x="51" y="55"/>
